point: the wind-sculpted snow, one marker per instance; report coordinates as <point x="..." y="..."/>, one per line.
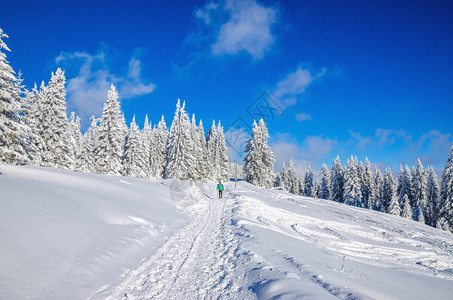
<point x="70" y="235"/>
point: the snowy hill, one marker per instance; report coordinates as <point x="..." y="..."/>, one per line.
<point x="75" y="236"/>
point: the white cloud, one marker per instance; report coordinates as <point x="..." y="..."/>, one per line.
<point x="240" y="25"/>
<point x="303" y="117"/>
<point x="87" y="91"/>
<point x="289" y="89"/>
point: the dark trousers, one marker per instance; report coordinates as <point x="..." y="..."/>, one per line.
<point x="220" y="193"/>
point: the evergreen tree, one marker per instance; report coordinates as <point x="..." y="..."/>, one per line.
<point x="212" y="153"/>
<point x="292" y="181"/>
<point x="75" y="139"/>
<point x="407" y="209"/>
<point x="378" y="190"/>
<point x="204" y="151"/>
<point x="109" y="147"/>
<point x="159" y="149"/>
<point x="308" y="183"/>
<point x="180" y="160"/>
<point x="325" y="183"/>
<point x="316" y="190"/>
<point x="337" y="181"/>
<point x="419" y="188"/>
<point x="146" y="137"/>
<point x="199" y="171"/>
<point x="135" y="162"/>
<point x="259" y="159"/>
<point x="223" y="163"/>
<point x="87" y="161"/>
<point x="432" y="196"/>
<point x="445" y="218"/>
<point x="404" y="185"/>
<point x="367" y="184"/>
<point x="12" y="132"/>
<point x="388" y="191"/>
<point x="352" y="188"/>
<point x="282" y="178"/>
<point x="30" y="116"/>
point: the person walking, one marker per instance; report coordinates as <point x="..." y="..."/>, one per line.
<point x="220" y="188"/>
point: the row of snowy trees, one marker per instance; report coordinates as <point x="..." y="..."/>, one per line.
<point x="35" y="130"/>
<point x="416" y="194"/>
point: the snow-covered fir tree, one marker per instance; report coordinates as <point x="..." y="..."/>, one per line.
<point x="159" y="149"/>
<point x="54" y="123"/>
<point x="135" y="161"/>
<point x="432" y="197"/>
<point x="407" y="209"/>
<point x="316" y="190"/>
<point x="180" y="160"/>
<point x="35" y="144"/>
<point x="75" y="138"/>
<point x="367" y="184"/>
<point x="200" y="165"/>
<point x="337" y="181"/>
<point x="301" y="184"/>
<point x="352" y="188"/>
<point x="378" y="190"/>
<point x="259" y="159"/>
<point x="109" y="147"/>
<point x="223" y="163"/>
<point x="292" y="180"/>
<point x="12" y="132"/>
<point x="388" y="190"/>
<point x="325" y="183"/>
<point x="404" y="185"/>
<point x="282" y="178"/>
<point x="308" y="183"/>
<point x="419" y="189"/>
<point x="146" y="137"/>
<point x="445" y="218"/>
<point x="212" y="153"/>
<point x="204" y="150"/>
<point x="87" y="161"/>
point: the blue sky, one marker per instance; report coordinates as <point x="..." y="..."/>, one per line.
<point x="366" y="78"/>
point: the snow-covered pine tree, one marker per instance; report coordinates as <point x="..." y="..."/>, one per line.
<point x="87" y="161"/>
<point x="109" y="147"/>
<point x="394" y="206"/>
<point x="419" y="188"/>
<point x="446" y="196"/>
<point x="316" y="190"/>
<point x="352" y="188"/>
<point x="199" y="166"/>
<point x="337" y="181"/>
<point x="388" y="190"/>
<point x="282" y="178"/>
<point x="212" y="153"/>
<point x="432" y="196"/>
<point x="204" y="150"/>
<point x="325" y="183"/>
<point x="407" y="209"/>
<point x="146" y="137"/>
<point x="292" y="180"/>
<point x="135" y="162"/>
<point x="35" y="144"/>
<point x="404" y="185"/>
<point x="259" y="159"/>
<point x="308" y="183"/>
<point x="12" y="132"/>
<point x="367" y="184"/>
<point x="223" y="163"/>
<point x="378" y="190"/>
<point x="159" y="149"/>
<point x="180" y="160"/>
<point x="301" y="185"/>
<point x="75" y="138"/>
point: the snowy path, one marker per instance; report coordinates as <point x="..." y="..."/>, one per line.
<point x="201" y="261"/>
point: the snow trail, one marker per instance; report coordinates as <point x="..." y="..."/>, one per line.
<point x="201" y="261"/>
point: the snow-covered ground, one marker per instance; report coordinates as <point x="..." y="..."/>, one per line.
<point x="75" y="236"/>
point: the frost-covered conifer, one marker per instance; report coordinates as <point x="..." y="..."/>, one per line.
<point x="12" y="132"/>
<point x="135" y="162"/>
<point x="109" y="147"/>
<point x="308" y="183"/>
<point x="316" y="190"/>
<point x="35" y="144"/>
<point x="212" y="153"/>
<point x="159" y="149"/>
<point x="352" y="188"/>
<point x="259" y="159"/>
<point x="224" y="160"/>
<point x="337" y="181"/>
<point x="301" y="185"/>
<point x="282" y="178"/>
<point x="419" y="188"/>
<point x="325" y="183"/>
<point x="292" y="180"/>
<point x="87" y="161"/>
<point x="367" y="184"/>
<point x="378" y="190"/>
<point x="198" y="152"/>
<point x="75" y="138"/>
<point x="388" y="191"/>
<point x="432" y="196"/>
<point x="146" y="137"/>
<point x="404" y="185"/>
<point x="407" y="209"/>
<point x="180" y="160"/>
<point x="445" y="218"/>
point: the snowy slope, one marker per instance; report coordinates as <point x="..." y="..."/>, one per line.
<point x="71" y="235"/>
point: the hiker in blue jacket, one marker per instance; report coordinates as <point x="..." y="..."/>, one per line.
<point x="220" y="189"/>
